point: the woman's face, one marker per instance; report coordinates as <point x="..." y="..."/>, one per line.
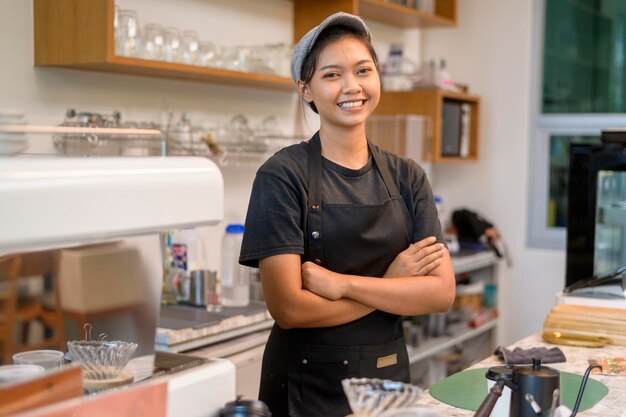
<point x="345" y="86"/>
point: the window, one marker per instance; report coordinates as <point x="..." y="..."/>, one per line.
<point x="579" y="79"/>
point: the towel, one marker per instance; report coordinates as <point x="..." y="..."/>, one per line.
<point x="523" y="356"/>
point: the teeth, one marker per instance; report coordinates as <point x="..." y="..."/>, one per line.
<point x="349" y="104"/>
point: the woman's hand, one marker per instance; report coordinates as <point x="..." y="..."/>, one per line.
<point x="418" y="259"/>
<point x="322" y="281"/>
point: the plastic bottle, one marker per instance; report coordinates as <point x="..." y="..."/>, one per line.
<point x="235" y="278"/>
<point x="187" y="252"/>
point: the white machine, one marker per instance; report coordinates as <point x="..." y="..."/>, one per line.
<point x="52" y="202"/>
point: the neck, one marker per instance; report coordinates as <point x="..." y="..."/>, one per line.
<point x="346" y="147"/>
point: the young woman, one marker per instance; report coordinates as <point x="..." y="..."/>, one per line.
<point x="345" y="235"/>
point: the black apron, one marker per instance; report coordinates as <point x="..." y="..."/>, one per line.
<point x="303" y="368"/>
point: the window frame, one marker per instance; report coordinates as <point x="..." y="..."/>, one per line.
<point x="542" y="127"/>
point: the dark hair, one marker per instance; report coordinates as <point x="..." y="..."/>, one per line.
<point x="329" y="35"/>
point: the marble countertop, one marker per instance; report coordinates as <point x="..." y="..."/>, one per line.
<point x="613" y="405"/>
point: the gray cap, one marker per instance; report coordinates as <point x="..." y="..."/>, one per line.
<point x="303" y="47"/>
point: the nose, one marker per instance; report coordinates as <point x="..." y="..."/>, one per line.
<point x="351" y="84"/>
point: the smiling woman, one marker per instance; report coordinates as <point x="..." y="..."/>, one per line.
<point x="345" y="235"/>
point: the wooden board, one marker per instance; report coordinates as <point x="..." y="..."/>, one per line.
<point x="52" y="387"/>
<point x="588" y="321"/>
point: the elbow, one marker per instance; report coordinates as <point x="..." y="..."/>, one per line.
<point x="448" y="294"/>
<point x="284" y="323"/>
<point x="284" y="318"/>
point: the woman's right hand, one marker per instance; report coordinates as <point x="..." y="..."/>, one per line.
<point x="419" y="259"/>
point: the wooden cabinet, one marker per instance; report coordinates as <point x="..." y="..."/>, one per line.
<point x="309" y="13"/>
<point x="79" y="34"/>
<point x="433" y="103"/>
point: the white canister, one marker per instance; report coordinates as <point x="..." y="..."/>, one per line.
<point x="501" y="409"/>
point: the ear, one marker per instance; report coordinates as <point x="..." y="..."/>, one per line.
<point x="304" y="91"/>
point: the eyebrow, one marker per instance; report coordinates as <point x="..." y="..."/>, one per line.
<point x="361" y="62"/>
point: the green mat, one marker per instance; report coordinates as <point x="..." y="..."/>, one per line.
<point x="468" y="389"/>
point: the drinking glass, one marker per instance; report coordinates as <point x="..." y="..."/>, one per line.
<point x="171" y="44"/>
<point x="208" y="54"/>
<point x="189" y="47"/>
<point x="262" y="60"/>
<point x="152" y="45"/>
<point x="236" y="58"/>
<point x="129" y="38"/>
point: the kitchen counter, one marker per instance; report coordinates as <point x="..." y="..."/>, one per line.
<point x="182" y="328"/>
<point x="613" y="405"/>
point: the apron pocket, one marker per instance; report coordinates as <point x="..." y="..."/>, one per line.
<point x="315" y="375"/>
<point x="385" y="361"/>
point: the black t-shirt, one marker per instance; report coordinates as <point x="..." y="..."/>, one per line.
<point x="275" y="223"/>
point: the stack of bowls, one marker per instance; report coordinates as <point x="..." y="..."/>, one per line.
<point x="12" y="143"/>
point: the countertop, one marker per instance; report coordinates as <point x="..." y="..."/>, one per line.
<point x="613" y="405"/>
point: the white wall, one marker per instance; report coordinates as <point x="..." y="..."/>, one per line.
<point x="491" y="51"/>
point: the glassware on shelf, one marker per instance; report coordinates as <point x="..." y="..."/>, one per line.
<point x="128" y="35"/>
<point x="283" y="59"/>
<point x="126" y="140"/>
<point x="236" y="58"/>
<point x="12" y="143"/>
<point x="171" y="44"/>
<point x="208" y="55"/>
<point x="152" y="45"/>
<point x="189" y="47"/>
<point x="116" y="26"/>
<point x="262" y="60"/>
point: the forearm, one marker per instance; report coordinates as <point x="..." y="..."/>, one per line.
<point x="308" y="310"/>
<point x="293" y="306"/>
<point x="403" y="295"/>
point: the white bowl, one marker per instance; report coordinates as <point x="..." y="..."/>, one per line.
<point x="16" y="373"/>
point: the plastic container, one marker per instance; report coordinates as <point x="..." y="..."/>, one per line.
<point x="46" y="358"/>
<point x="235" y="278"/>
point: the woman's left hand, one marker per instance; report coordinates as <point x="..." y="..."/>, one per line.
<point x="322" y="281"/>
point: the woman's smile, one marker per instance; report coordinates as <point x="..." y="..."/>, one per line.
<point x="352" y="105"/>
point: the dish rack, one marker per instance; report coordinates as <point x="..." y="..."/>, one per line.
<point x="224" y="146"/>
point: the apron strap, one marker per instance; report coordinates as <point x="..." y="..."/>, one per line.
<point x="313" y="239"/>
<point x="384" y="171"/>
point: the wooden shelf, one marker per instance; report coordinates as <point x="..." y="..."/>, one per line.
<point x="429" y="102"/>
<point x="466" y="263"/>
<point x="79" y="34"/>
<point x="406" y="17"/>
<point x="309" y="13"/>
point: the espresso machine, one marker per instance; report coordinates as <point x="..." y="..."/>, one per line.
<point x="121" y="204"/>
